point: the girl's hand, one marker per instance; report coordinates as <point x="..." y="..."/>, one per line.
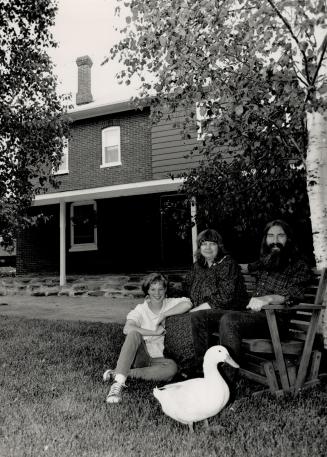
<point x="160" y="331"/>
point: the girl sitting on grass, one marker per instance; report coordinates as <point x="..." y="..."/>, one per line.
<point x="141" y="355"/>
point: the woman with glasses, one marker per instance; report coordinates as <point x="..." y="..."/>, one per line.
<point x="215" y="285"/>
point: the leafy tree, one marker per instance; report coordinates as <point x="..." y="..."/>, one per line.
<point x="32" y="126"/>
<point x="256" y="70"/>
<point x="253" y="166"/>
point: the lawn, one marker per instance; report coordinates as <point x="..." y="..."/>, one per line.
<point x="52" y="403"/>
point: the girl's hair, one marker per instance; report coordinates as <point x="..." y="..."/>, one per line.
<point x="213" y="236"/>
<point x="153" y="278"/>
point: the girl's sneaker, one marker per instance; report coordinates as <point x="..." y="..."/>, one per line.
<point x="114" y="395"/>
<point x="108" y="375"/>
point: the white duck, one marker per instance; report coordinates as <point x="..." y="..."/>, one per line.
<point x="197" y="399"/>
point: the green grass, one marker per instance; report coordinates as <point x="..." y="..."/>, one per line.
<point x="52" y="403"/>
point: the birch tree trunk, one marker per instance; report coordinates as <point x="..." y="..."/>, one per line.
<point x="316" y="163"/>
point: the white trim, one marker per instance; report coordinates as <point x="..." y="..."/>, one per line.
<point x="62" y="234"/>
<point x="65" y="159"/>
<point x="83" y="247"/>
<point x="61" y="172"/>
<point x="113" y="131"/>
<point x="78" y="247"/>
<point x="94" y="109"/>
<point x="112" y="164"/>
<point x="120" y="190"/>
<point x="194" y="228"/>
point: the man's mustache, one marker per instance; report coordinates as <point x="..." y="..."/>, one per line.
<point x="273" y="246"/>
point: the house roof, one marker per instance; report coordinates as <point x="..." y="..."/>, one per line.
<point x="94" y="109"/>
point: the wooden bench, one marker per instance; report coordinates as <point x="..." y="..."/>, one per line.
<point x="292" y="364"/>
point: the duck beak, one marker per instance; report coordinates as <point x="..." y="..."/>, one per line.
<point x="231" y="362"/>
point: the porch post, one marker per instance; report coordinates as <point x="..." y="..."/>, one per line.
<point x="194" y="227"/>
<point x="62" y="225"/>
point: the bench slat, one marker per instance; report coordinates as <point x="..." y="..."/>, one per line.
<point x="256" y="363"/>
<point x="265" y="345"/>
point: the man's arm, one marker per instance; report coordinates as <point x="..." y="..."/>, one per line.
<point x="291" y="293"/>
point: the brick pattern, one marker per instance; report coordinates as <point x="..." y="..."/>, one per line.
<point x="38" y="247"/>
<point x="85" y="152"/>
<point x="84" y="94"/>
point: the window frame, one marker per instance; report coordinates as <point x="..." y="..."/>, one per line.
<point x="79" y="247"/>
<point x="65" y="149"/>
<point x="113" y="128"/>
<point x="202" y="134"/>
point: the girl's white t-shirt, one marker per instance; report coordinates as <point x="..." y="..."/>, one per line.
<point x="145" y="318"/>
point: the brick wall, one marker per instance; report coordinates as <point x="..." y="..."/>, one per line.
<point x="38" y="247"/>
<point x="85" y="152"/>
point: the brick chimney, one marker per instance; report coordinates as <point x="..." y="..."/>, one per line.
<point x="84" y="94"/>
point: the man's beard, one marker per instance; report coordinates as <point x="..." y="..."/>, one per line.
<point x="276" y="257"/>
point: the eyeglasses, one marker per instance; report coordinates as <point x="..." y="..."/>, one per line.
<point x="208" y="243"/>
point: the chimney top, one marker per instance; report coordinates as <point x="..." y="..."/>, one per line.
<point x="84" y="60"/>
<point x="84" y="94"/>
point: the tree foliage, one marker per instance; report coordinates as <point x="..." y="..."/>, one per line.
<point x="253" y="67"/>
<point x="32" y="124"/>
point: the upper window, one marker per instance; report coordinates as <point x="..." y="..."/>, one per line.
<point x="203" y="121"/>
<point x="111" y="147"/>
<point x="63" y="167"/>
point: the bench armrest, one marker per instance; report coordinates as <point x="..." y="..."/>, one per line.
<point x="300" y="306"/>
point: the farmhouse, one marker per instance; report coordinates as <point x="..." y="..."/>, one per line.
<point x="109" y="214"/>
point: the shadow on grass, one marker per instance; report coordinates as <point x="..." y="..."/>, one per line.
<point x="53" y="404"/>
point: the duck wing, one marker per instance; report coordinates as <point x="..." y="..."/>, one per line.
<point x="189" y="401"/>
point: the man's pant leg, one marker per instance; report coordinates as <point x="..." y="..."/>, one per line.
<point x="236" y="325"/>
<point x="204" y="323"/>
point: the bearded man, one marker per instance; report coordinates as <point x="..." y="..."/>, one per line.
<point x="281" y="278"/>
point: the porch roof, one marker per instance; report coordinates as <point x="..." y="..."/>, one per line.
<point x="120" y="190"/>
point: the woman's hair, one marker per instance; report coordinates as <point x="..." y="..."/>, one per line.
<point x="214" y="237"/>
<point x="290" y="243"/>
<point x="153" y="278"/>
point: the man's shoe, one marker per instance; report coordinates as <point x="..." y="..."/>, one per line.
<point x="108" y="375"/>
<point x="114" y="395"/>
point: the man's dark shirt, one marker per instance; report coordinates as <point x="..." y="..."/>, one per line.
<point x="290" y="282"/>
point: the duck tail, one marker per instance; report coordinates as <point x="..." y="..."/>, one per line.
<point x="156" y="393"/>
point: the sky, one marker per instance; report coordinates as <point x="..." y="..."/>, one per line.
<point x="87" y="27"/>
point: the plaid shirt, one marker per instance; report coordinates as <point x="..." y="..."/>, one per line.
<point x="290" y="282"/>
<point x="221" y="285"/>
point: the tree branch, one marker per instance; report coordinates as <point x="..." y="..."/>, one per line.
<point x="289" y="28"/>
<point x="323" y="52"/>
